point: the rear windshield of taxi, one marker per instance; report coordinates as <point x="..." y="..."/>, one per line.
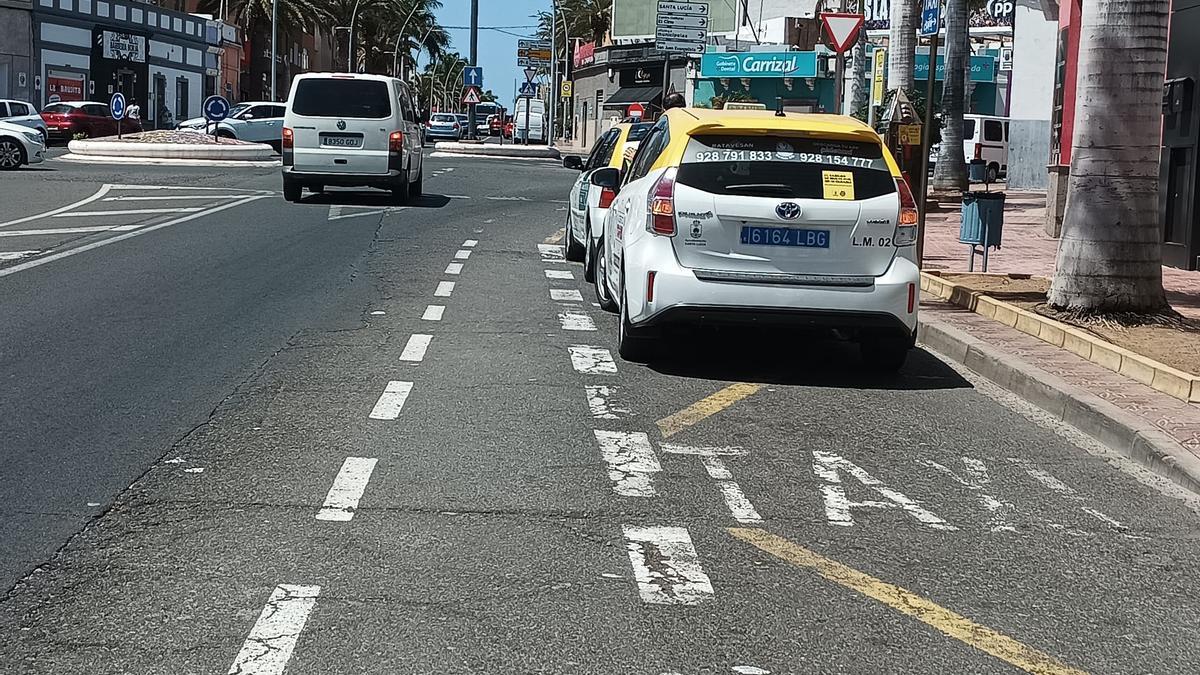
<point x="336" y="97"/>
<point x="786" y="167"/>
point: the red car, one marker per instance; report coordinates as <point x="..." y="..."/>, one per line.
<point x="67" y="118"/>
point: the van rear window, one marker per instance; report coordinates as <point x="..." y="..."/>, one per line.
<point x="787" y="168"/>
<point x="329" y="97"/>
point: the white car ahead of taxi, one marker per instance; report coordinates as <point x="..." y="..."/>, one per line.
<point x="754" y="217"/>
<point x="20" y="145"/>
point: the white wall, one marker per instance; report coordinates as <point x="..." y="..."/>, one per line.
<point x="1035" y="45"/>
<point x="195" y="90"/>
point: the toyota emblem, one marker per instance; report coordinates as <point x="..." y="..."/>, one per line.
<point x="788" y="210"/>
<point x="341" y="125"/>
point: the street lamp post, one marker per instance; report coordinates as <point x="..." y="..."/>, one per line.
<point x="274" y="32"/>
<point x="396" y="47"/>
<point x="350" y="46"/>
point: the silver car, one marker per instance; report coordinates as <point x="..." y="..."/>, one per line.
<point x="20" y="145"/>
<point x="254" y="121"/>
<point x="20" y="112"/>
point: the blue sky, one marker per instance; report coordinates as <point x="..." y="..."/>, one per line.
<point x="497" y="48"/>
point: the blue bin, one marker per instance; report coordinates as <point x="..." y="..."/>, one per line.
<point x="977" y="171"/>
<point x="982" y="219"/>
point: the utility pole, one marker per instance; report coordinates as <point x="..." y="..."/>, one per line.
<point x="474" y="62"/>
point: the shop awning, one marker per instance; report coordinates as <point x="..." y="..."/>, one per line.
<point x="626" y="95"/>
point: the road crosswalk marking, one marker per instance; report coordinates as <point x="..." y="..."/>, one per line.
<point x="591" y="360"/>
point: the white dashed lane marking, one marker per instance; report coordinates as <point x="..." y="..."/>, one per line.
<point x="462" y="254"/>
<point x="273" y="638"/>
<point x="416" y="347"/>
<point x="444" y="289"/>
<point x="559" y="274"/>
<point x="576" y="321"/>
<point x="347" y="490"/>
<point x="434" y="312"/>
<point x="454" y="268"/>
<point x="391" y="401"/>
<point x="470" y="243"/>
<point x="592" y="360"/>
<point x="551" y="252"/>
<point x="631" y="462"/>
<point x="565" y="295"/>
<point x="599" y="397"/>
<point x="666" y="566"/>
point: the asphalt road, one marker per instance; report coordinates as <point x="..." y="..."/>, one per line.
<point x="341" y="437"/>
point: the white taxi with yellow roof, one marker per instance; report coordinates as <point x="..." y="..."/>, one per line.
<point x="762" y="218"/>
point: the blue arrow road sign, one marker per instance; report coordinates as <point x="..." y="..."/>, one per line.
<point x="931" y="17"/>
<point x="117" y="106"/>
<point x="528" y="89"/>
<point x="473" y="76"/>
<point x="216" y="108"/>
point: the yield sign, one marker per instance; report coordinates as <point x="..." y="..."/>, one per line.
<point x="471" y="96"/>
<point x="842" y="29"/>
<point x="530" y="73"/>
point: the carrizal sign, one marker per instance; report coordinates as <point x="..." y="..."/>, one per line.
<point x="759" y="64"/>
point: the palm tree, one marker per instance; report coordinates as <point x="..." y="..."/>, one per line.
<point x="295" y="17"/>
<point x="950" y="174"/>
<point x="902" y="44"/>
<point x="859" y="94"/>
<point x="1110" y="255"/>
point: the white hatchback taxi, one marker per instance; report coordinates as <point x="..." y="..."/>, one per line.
<point x="763" y="218"/>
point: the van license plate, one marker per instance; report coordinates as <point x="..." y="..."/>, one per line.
<point x="341" y="140"/>
<point x="785" y="236"/>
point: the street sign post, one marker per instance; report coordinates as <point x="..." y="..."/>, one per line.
<point x="842" y="29"/>
<point x="473" y="76"/>
<point x="568" y="89"/>
<point x="534" y="53"/>
<point x="635" y="110"/>
<point x="117" y="107"/>
<point x="931" y="26"/>
<point x="681" y="27"/>
<point x="878" y="79"/>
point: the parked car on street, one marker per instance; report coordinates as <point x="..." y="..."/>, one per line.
<point x="65" y="119"/>
<point x="589" y="203"/>
<point x="255" y="121"/>
<point x="745" y="216"/>
<point x="444" y="127"/>
<point x="351" y="129"/>
<point x="20" y="112"/>
<point x="19" y="146"/>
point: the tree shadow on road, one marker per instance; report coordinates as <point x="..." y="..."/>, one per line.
<point x="373" y="198"/>
<point x="789" y="358"/>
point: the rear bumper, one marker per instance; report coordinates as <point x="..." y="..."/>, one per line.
<point x="307" y="178"/>
<point x="680" y="297"/>
<point x="443" y="134"/>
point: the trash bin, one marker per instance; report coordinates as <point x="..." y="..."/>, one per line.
<point x="977" y="171"/>
<point x="982" y="219"/>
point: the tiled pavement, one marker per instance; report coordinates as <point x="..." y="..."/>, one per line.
<point x="1027" y="249"/>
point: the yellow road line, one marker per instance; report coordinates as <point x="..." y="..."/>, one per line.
<point x="705" y="408"/>
<point x="952" y="624"/>
<point x="556" y="237"/>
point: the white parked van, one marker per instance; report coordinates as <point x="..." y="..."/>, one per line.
<point x="537" y="120"/>
<point x="351" y="129"/>
<point x="986" y="137"/>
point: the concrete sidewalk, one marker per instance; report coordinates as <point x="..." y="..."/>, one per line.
<point x="1028" y="250"/>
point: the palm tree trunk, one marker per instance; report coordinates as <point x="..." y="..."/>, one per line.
<point x="950" y="174"/>
<point x="858" y="77"/>
<point x="902" y="50"/>
<point x="1110" y="256"/>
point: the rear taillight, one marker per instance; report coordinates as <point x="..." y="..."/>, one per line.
<point x="456" y="126"/>
<point x="978" y="151"/>
<point x="396" y="141"/>
<point x="661" y="206"/>
<point x="906" y="224"/>
<point x="650" y="285"/>
<point x="912" y="297"/>
<point x="288" y="138"/>
<point x="607" y="195"/>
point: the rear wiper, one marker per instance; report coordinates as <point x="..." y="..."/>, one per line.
<point x="761" y="187"/>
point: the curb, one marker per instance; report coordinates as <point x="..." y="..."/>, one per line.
<point x="236" y="152"/>
<point x="1123" y="432"/>
<point x="167" y="161"/>
<point x="489" y="150"/>
<point x="1159" y="376"/>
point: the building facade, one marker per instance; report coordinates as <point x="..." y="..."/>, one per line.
<point x="608" y="80"/>
<point x="16" y="50"/>
<point x="1179" y="187"/>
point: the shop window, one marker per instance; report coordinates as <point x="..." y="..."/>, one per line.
<point x="181" y="98"/>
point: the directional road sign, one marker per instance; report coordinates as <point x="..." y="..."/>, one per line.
<point x="473" y="76"/>
<point x="533" y="52"/>
<point x="471" y="96"/>
<point x="681" y="26"/>
<point x="215" y="108"/>
<point x="528" y="90"/>
<point x="117" y="106"/>
<point x="931" y="19"/>
<point x="842" y="29"/>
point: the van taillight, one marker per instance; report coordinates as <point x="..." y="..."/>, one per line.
<point x="906" y="223"/>
<point x="662" y="205"/>
<point x="979" y="151"/>
<point x="288" y="138"/>
<point x="396" y="141"/>
<point x="607" y="195"/>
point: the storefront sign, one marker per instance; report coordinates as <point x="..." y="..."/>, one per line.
<point x="983" y="68"/>
<point x="63" y="86"/>
<point x="878" y="76"/>
<point x="123" y="46"/>
<point x="994" y="13"/>
<point x="759" y="64"/>
<point x="585" y="54"/>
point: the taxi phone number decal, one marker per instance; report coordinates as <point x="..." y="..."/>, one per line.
<point x="769" y="156"/>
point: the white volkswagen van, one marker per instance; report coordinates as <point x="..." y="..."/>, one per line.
<point x="351" y="129"/>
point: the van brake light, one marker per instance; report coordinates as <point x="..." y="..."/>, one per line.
<point x="979" y="151"/>
<point x="288" y="138"/>
<point x="396" y="141"/>
<point x="906" y="223"/>
<point x="661" y="206"/>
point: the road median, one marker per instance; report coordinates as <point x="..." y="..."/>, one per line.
<point x="496" y="150"/>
